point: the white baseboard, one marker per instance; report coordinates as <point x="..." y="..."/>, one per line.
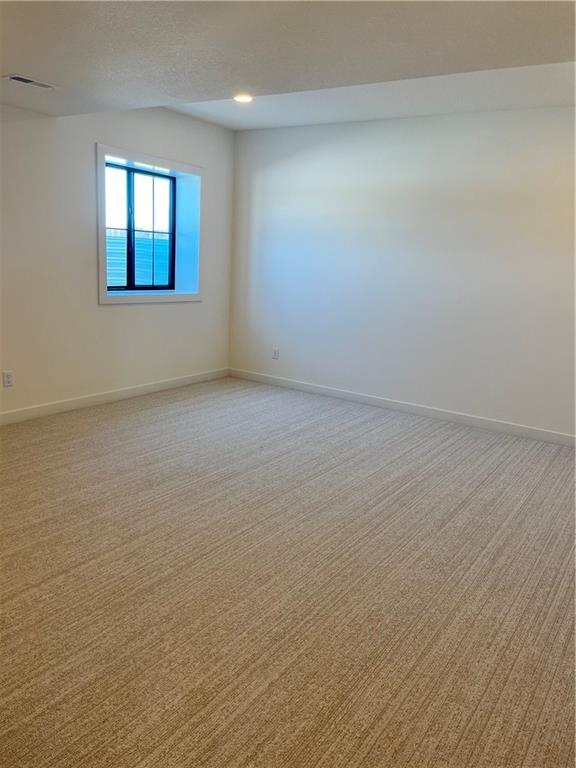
<point x="59" y="406"/>
<point x="422" y="410"/>
<point x="47" y="409"/>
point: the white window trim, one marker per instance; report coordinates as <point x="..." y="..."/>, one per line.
<point x="139" y="297"/>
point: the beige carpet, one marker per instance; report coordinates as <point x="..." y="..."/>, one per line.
<point x="232" y="575"/>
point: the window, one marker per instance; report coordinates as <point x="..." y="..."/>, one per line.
<point x="140" y="230"/>
<point x="149" y="229"/>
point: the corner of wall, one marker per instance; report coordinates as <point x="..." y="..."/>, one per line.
<point x="233" y="249"/>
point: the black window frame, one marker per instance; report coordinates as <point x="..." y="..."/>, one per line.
<point x="131" y="230"/>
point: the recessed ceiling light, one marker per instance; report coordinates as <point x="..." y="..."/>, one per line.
<point x="243" y="98"/>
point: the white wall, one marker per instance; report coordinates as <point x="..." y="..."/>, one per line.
<point x="57" y="339"/>
<point x="426" y="260"/>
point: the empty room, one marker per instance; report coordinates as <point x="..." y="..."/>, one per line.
<point x="287" y="384"/>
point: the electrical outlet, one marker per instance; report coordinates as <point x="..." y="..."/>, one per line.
<point x="7" y="378"/>
<point x="275" y="353"/>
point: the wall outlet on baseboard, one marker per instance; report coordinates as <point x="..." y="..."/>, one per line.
<point x="7" y="378"/>
<point x="275" y="353"/>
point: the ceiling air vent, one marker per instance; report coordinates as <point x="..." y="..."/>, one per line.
<point x="23" y="80"/>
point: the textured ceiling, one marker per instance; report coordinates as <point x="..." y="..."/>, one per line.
<point x="110" y="55"/>
<point x="540" y="85"/>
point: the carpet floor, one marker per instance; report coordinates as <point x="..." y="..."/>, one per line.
<point x="233" y="575"/>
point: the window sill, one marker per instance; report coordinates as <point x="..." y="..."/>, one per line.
<point x="147" y="297"/>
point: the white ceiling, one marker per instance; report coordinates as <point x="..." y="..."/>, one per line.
<point x="512" y="88"/>
<point x="122" y="55"/>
